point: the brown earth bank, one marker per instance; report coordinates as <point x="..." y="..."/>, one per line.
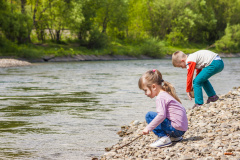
<point x="213" y="134"/>
<point x="109" y="57"/>
<point x="11" y="62"/>
<point x="91" y="58"/>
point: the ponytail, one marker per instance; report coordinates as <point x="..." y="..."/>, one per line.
<point x="154" y="76"/>
<point x="168" y="87"/>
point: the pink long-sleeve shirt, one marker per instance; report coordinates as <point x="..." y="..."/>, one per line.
<point x="168" y="107"/>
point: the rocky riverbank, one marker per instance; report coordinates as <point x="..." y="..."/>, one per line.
<point x="91" y="58"/>
<point x="10" y="62"/>
<point x="213" y="134"/>
<point x="72" y="58"/>
<point x="13" y="63"/>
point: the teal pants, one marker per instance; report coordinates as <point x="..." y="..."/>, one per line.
<point x="202" y="80"/>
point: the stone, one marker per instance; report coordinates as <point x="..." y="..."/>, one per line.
<point x="186" y="158"/>
<point x="214" y="129"/>
<point x="136" y="122"/>
<point x="110" y="154"/>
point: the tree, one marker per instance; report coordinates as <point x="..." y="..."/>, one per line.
<point x="15" y="25"/>
<point x="138" y="24"/>
<point x="195" y="22"/>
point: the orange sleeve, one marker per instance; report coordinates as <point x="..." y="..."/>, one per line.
<point x="198" y="71"/>
<point x="190" y="72"/>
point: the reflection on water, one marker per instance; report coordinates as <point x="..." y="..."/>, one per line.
<point x="73" y="110"/>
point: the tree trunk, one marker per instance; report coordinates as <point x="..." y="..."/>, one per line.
<point x="23" y="3"/>
<point x="34" y="13"/>
<point x="58" y="36"/>
<point x="80" y="35"/>
<point x="104" y="25"/>
<point x="50" y="31"/>
<point x="11" y="7"/>
<point x="42" y="35"/>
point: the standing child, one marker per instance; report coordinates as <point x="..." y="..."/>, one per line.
<point x="207" y="63"/>
<point x="170" y="122"/>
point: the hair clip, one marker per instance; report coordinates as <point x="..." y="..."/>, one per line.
<point x="154" y="70"/>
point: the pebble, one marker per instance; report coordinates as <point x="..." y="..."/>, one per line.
<point x="214" y="133"/>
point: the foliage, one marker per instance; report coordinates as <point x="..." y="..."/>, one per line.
<point x="11" y="49"/>
<point x="7" y="47"/>
<point x="194" y="23"/>
<point x="230" y="42"/>
<point x="138" y="22"/>
<point x="97" y="39"/>
<point x="15" y="26"/>
<point x="152" y="48"/>
<point x="130" y="27"/>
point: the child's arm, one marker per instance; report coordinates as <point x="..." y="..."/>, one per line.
<point x="145" y="131"/>
<point x="190" y="68"/>
<point x="161" y="115"/>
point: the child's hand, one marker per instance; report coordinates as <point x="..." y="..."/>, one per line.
<point x="145" y="131"/>
<point x="189" y="95"/>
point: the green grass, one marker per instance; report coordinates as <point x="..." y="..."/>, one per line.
<point x="189" y="48"/>
<point x="151" y="47"/>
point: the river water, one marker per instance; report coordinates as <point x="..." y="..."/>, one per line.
<point x="72" y="110"/>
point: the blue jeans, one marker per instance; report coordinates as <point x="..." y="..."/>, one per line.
<point x="202" y="80"/>
<point x="165" y="128"/>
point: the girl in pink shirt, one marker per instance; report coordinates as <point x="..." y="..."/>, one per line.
<point x="170" y="122"/>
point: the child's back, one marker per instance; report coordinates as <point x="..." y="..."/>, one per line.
<point x="202" y="58"/>
<point x="170" y="122"/>
<point x="207" y="64"/>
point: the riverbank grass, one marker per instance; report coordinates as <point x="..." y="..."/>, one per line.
<point x="150" y="47"/>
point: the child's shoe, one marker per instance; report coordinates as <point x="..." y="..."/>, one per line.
<point x="196" y="105"/>
<point x="178" y="139"/>
<point x="212" y="99"/>
<point x="161" y="142"/>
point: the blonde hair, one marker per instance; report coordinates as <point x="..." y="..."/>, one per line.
<point x="176" y="57"/>
<point x="155" y="77"/>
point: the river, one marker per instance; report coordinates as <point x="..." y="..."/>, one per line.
<point x="72" y="110"/>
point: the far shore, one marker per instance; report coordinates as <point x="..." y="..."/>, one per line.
<point x="12" y="62"/>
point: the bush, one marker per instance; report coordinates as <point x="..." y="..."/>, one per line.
<point x="176" y="38"/>
<point x="16" y="27"/>
<point x="153" y="48"/>
<point x="230" y="42"/>
<point x="28" y="52"/>
<point x="11" y="49"/>
<point x="97" y="40"/>
<point x="7" y="48"/>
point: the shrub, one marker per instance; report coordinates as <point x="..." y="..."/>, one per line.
<point x="153" y="48"/>
<point x="28" y="52"/>
<point x="16" y="27"/>
<point x="11" y="49"/>
<point x="97" y="40"/>
<point x="176" y="38"/>
<point x="7" y="48"/>
<point x="230" y="42"/>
